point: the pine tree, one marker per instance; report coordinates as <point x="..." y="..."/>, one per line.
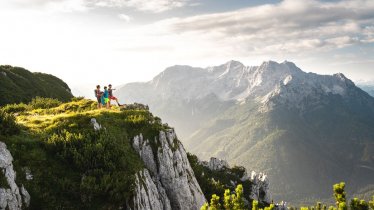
<point x="254" y="205"/>
<point x="319" y="206"/>
<point x="238" y="201"/>
<point x="214" y="203"/>
<point x="205" y="206"/>
<point x="359" y="204"/>
<point x="227" y="201"/>
<point x="271" y="207"/>
<point x="332" y="208"/>
<point x="339" y="195"/>
<point x="371" y="203"/>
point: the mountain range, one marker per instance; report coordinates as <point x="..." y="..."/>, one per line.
<point x="306" y="131"/>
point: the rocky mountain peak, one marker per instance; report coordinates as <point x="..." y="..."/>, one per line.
<point x="233" y="81"/>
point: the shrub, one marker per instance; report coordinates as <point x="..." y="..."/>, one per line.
<point x="8" y="125"/>
<point x="16" y="108"/>
<point x="44" y="103"/>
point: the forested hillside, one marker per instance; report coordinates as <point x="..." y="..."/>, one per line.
<point x="20" y="85"/>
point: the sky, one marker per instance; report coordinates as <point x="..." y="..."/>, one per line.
<point x="89" y="42"/>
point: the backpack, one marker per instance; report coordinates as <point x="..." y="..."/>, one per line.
<point x="96" y="93"/>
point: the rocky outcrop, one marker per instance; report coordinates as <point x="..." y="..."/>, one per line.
<point x="215" y="164"/>
<point x="95" y="124"/>
<point x="260" y="187"/>
<point x="170" y="169"/>
<point x="10" y="195"/>
<point x="149" y="194"/>
<point x="260" y="182"/>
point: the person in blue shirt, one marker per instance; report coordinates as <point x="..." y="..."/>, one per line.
<point x="106" y="97"/>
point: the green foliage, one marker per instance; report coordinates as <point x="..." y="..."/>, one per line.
<point x="103" y="160"/>
<point x="227" y="200"/>
<point x="15" y="108"/>
<point x="319" y="206"/>
<point x="332" y="208"/>
<point x="255" y="205"/>
<point x="214" y="203"/>
<point x="340" y="195"/>
<point x="357" y="204"/>
<point x="230" y="201"/>
<point x="234" y="201"/>
<point x="215" y="182"/>
<point x="271" y="207"/>
<point x="205" y="206"/>
<point x="371" y="203"/>
<point x="75" y="167"/>
<point x="20" y="85"/>
<point x="3" y="180"/>
<point x="44" y="103"/>
<point x="238" y="200"/>
<point x="8" y="125"/>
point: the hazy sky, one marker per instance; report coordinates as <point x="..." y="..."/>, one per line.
<point x="86" y="42"/>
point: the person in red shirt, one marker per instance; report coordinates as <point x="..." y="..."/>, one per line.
<point x="111" y="97"/>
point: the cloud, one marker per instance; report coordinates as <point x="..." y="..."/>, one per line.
<point x="290" y="26"/>
<point x="154" y="6"/>
<point x="124" y="17"/>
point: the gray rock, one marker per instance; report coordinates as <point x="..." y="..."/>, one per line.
<point x="169" y="165"/>
<point x="10" y="198"/>
<point x="260" y="183"/>
<point x="28" y="174"/>
<point x="215" y="164"/>
<point x="95" y="124"/>
<point x="25" y="195"/>
<point x="149" y="195"/>
<point x="260" y="187"/>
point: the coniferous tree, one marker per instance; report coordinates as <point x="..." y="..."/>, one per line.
<point x="214" y="203"/>
<point x="371" y="203"/>
<point x="227" y="201"/>
<point x="332" y="208"/>
<point x="205" y="207"/>
<point x="238" y="201"/>
<point x="254" y="205"/>
<point x="319" y="206"/>
<point x="340" y="194"/>
<point x="358" y="204"/>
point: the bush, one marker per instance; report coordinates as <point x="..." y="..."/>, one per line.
<point x="16" y="108"/>
<point x="104" y="160"/>
<point x="44" y="103"/>
<point x="8" y="125"/>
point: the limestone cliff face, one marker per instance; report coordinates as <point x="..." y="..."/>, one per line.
<point x="11" y="196"/>
<point x="149" y="193"/>
<point x="170" y="175"/>
<point x="259" y="181"/>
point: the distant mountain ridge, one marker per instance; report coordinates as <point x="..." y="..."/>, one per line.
<point x="369" y="88"/>
<point x="303" y="129"/>
<point x="20" y="85"/>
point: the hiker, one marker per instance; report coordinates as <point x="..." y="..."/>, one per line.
<point x="111" y="97"/>
<point x="106" y="97"/>
<point x="98" y="95"/>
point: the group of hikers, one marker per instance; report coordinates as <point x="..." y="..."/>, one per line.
<point x="104" y="97"/>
